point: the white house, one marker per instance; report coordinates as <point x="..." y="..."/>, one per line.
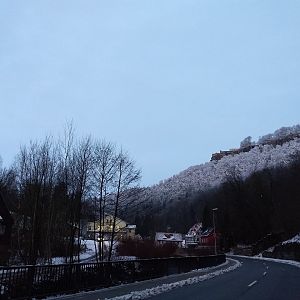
<point x="168" y="238"/>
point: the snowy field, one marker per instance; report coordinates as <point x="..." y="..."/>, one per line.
<point x="89" y="254"/>
<point x="85" y="256"/>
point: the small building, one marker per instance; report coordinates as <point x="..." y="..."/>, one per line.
<point x="199" y="237"/>
<point x="192" y="237"/>
<point x="162" y="238"/>
<point x="207" y="238"/>
<point x="191" y="241"/>
<point x="130" y="231"/>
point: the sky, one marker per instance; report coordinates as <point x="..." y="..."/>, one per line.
<point x="171" y="81"/>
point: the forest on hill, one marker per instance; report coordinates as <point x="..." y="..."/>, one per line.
<point x="271" y="151"/>
<point x="248" y="209"/>
<point x="54" y="184"/>
<point x="256" y="192"/>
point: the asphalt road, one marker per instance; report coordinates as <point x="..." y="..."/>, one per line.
<point x="254" y="280"/>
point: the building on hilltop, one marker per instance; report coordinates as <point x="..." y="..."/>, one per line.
<point x="221" y="154"/>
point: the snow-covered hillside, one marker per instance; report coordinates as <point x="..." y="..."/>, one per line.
<point x="267" y="153"/>
<point x="293" y="240"/>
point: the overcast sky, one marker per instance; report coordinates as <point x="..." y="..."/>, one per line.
<point x="171" y="81"/>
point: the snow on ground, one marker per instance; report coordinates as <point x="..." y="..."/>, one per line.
<point x="58" y="260"/>
<point x="170" y="286"/>
<point x="89" y="253"/>
<point x="2" y="290"/>
<point x="271" y="249"/>
<point x="283" y="261"/>
<point x="124" y="258"/>
<point x="295" y="239"/>
<point x="89" y="249"/>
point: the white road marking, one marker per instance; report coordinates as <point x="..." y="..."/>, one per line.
<point x="252" y="283"/>
<point x="267" y="267"/>
<point x="265" y="273"/>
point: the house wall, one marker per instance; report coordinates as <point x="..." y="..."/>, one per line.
<point x="130" y="233"/>
<point x="108" y="225"/>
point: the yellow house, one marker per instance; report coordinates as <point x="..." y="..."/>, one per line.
<point x="123" y="230"/>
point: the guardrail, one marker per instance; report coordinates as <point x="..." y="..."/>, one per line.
<point x="25" y="282"/>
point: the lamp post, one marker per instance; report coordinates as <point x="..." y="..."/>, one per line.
<point x="214" y="222"/>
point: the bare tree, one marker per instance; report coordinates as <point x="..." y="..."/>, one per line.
<point x="126" y="177"/>
<point x="104" y="173"/>
<point x="83" y="168"/>
<point x="75" y="169"/>
<point x="36" y="178"/>
<point x="53" y="180"/>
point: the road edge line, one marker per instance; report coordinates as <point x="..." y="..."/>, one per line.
<point x="282" y="261"/>
<point x="170" y="286"/>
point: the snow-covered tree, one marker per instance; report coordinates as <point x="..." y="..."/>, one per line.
<point x="246" y="142"/>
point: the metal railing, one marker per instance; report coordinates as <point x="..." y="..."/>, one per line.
<point x="37" y="281"/>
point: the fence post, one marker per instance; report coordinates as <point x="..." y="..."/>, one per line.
<point x="30" y="280"/>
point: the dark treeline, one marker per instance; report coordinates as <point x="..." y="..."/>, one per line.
<point x="266" y="202"/>
<point x="53" y="184"/>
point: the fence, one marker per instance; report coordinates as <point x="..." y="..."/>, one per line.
<point x="37" y="281"/>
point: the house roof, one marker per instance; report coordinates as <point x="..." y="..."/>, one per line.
<point x="131" y="226"/>
<point x="207" y="232"/>
<point x="168" y="237"/>
<point x="109" y="216"/>
<point x="195" y="229"/>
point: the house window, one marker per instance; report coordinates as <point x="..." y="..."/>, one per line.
<point x="90" y="227"/>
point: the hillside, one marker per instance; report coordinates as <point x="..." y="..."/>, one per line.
<point x="256" y="191"/>
<point x="271" y="150"/>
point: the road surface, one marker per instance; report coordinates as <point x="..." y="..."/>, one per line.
<point x="254" y="280"/>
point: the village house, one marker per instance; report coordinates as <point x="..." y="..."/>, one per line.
<point x="193" y="235"/>
<point x="162" y="238"/>
<point x="197" y="237"/>
<point x="122" y="229"/>
<point x="207" y="238"/>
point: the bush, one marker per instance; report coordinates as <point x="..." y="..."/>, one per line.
<point x="145" y="249"/>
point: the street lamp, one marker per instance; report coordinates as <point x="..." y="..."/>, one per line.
<point x="215" y="238"/>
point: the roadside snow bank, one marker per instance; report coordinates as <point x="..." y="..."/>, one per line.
<point x="283" y="261"/>
<point x="170" y="286"/>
